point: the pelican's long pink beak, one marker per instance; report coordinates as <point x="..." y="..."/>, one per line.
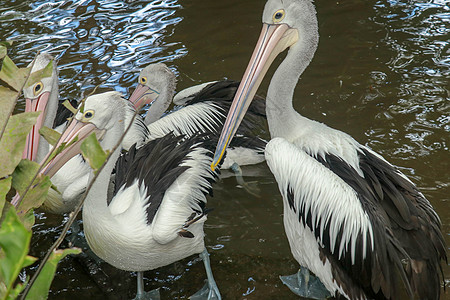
<point x="73" y="136"/>
<point x="32" y="142"/>
<point x="274" y="38"/>
<point x="143" y="95"/>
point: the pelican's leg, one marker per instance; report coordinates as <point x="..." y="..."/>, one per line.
<point x="141" y="294"/>
<point x="253" y="190"/>
<point x="306" y="285"/>
<point x="210" y="291"/>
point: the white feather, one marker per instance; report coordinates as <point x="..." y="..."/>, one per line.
<point x="188" y="121"/>
<point x="183" y="196"/>
<point x="319" y="190"/>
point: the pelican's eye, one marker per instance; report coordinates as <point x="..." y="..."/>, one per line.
<point x="89" y="114"/>
<point x="278" y="16"/>
<point x="38" y="88"/>
<point x="143" y="80"/>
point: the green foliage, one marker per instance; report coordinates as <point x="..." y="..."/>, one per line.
<point x="22" y="178"/>
<point x="5" y="185"/>
<point x="93" y="152"/>
<point x="7" y="103"/>
<point x="3" y="51"/>
<point x="69" y="106"/>
<point x="4" y="48"/>
<point x="12" y="142"/>
<point x="40" y="288"/>
<point x="12" y="75"/>
<point x="14" y="242"/>
<point x="50" y="135"/>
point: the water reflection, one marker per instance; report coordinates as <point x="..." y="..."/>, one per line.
<point x="380" y="73"/>
<point x="97" y="42"/>
<point x="418" y="33"/>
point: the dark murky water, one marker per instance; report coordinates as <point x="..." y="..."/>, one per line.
<point x="381" y="73"/>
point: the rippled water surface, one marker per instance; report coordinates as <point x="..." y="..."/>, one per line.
<point x="381" y="74"/>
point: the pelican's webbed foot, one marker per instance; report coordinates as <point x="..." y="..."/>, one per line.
<point x="152" y="295"/>
<point x="210" y="291"/>
<point x="207" y="293"/>
<point x="306" y="285"/>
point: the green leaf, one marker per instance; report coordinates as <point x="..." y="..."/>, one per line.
<point x="39" y="74"/>
<point x="14" y="294"/>
<point x="14" y="242"/>
<point x="23" y="174"/>
<point x="3" y="51"/>
<point x="7" y="103"/>
<point x="5" y="186"/>
<point x="6" y="43"/>
<point x="28" y="261"/>
<point x="93" y="152"/>
<point x="27" y="219"/>
<point x="37" y="193"/>
<point x="41" y="286"/>
<point x="12" y="142"/>
<point x="35" y="196"/>
<point x="12" y="75"/>
<point x="50" y="135"/>
<point x="69" y="106"/>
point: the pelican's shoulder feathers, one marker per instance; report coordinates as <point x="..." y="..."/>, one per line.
<point x="173" y="175"/>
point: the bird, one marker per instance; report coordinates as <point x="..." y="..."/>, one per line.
<point x="352" y="218"/>
<point x="42" y="95"/>
<point x="72" y="178"/>
<point x="203" y="108"/>
<point x="156" y="213"/>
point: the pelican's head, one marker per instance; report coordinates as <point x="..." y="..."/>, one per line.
<point x="153" y="80"/>
<point x="293" y="13"/>
<point x="37" y="98"/>
<point x="102" y="114"/>
<point x="286" y="24"/>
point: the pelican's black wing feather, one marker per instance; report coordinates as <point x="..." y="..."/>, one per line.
<point x="408" y="242"/>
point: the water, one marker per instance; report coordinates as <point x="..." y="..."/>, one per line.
<point x="381" y="74"/>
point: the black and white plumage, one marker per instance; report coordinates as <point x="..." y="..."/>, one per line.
<point x="350" y="216"/>
<point x="204" y="110"/>
<point x="155" y="215"/>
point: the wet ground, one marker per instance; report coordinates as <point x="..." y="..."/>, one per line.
<point x="381" y="74"/>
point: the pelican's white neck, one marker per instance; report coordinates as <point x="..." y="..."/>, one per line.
<point x="160" y="104"/>
<point x="281" y="115"/>
<point x="96" y="201"/>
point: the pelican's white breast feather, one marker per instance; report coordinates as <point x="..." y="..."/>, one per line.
<point x="317" y="190"/>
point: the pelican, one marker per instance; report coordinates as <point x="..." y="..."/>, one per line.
<point x="72" y="178"/>
<point x="41" y="95"/>
<point x="157" y="211"/>
<point x="351" y="217"/>
<point x="204" y="109"/>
